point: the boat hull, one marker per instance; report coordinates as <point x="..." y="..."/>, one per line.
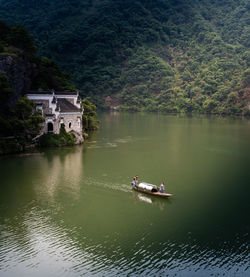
<point x="158" y="194"/>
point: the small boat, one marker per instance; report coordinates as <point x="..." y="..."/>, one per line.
<point x="150" y="189"/>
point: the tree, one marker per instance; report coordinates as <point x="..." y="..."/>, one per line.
<point x="27" y="121"/>
<point x="20" y="38"/>
<point x="6" y="92"/>
<point x="88" y="119"/>
<point x="246" y="78"/>
<point x="209" y="105"/>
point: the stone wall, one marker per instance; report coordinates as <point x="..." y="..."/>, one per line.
<point x="72" y="121"/>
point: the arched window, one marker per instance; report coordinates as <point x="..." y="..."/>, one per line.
<point x="70" y="125"/>
<point x="50" y="127"/>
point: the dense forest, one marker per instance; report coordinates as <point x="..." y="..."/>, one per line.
<point x="154" y="55"/>
<point x="20" y="71"/>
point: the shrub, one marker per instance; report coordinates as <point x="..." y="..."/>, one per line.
<point x="57" y="140"/>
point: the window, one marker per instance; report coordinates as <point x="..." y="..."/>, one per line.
<point x="39" y="108"/>
<point x="70" y="125"/>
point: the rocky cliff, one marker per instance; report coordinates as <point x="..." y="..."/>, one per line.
<point x="20" y="73"/>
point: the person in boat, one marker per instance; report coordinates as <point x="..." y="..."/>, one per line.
<point x="134" y="184"/>
<point x="136" y="179"/>
<point x="162" y="188"/>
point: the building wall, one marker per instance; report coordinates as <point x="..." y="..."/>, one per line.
<point x="71" y="120"/>
<point x="72" y="123"/>
<point x="46" y="100"/>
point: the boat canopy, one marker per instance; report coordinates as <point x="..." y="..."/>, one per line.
<point x="148" y="187"/>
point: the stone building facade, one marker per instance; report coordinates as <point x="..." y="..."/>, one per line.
<point x="59" y="108"/>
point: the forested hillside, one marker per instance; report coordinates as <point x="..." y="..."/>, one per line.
<point x="21" y="71"/>
<point x="156" y="55"/>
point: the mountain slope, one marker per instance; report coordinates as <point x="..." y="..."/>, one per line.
<point x="21" y="71"/>
<point x="172" y="56"/>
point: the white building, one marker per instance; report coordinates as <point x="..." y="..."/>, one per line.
<point x="59" y="108"/>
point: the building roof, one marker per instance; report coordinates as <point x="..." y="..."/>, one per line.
<point x="40" y="91"/>
<point x="66" y="92"/>
<point x="67" y="106"/>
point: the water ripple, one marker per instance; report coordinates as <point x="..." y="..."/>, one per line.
<point x="42" y="244"/>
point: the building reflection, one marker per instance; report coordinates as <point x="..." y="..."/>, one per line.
<point x="60" y="172"/>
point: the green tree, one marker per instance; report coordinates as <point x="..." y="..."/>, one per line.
<point x="20" y="38"/>
<point x="6" y="92"/>
<point x="88" y="120"/>
<point x="209" y="105"/>
<point x="27" y="121"/>
<point x="115" y="47"/>
<point x="246" y="78"/>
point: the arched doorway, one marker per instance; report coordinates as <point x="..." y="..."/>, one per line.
<point x="50" y="127"/>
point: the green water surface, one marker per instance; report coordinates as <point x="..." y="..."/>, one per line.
<point x="72" y="212"/>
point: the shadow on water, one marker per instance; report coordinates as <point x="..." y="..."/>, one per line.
<point x="153" y="200"/>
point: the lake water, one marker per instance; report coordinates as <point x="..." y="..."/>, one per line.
<point x="71" y="212"/>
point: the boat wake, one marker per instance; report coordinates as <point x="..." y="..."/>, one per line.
<point x="112" y="186"/>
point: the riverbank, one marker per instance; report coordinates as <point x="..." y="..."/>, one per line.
<point x="11" y="146"/>
<point x="49" y="140"/>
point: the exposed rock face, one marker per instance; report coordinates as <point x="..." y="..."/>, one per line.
<point x="19" y="70"/>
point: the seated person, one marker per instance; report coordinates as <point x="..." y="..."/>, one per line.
<point x="162" y="188"/>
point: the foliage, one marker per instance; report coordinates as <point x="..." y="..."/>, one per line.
<point x="169" y="56"/>
<point x="57" y="140"/>
<point x="88" y="119"/>
<point x="27" y="120"/>
<point x="20" y="38"/>
<point x="19" y="125"/>
<point x="6" y="92"/>
<point x="16" y="42"/>
<point x="19" y="121"/>
<point x="47" y="75"/>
